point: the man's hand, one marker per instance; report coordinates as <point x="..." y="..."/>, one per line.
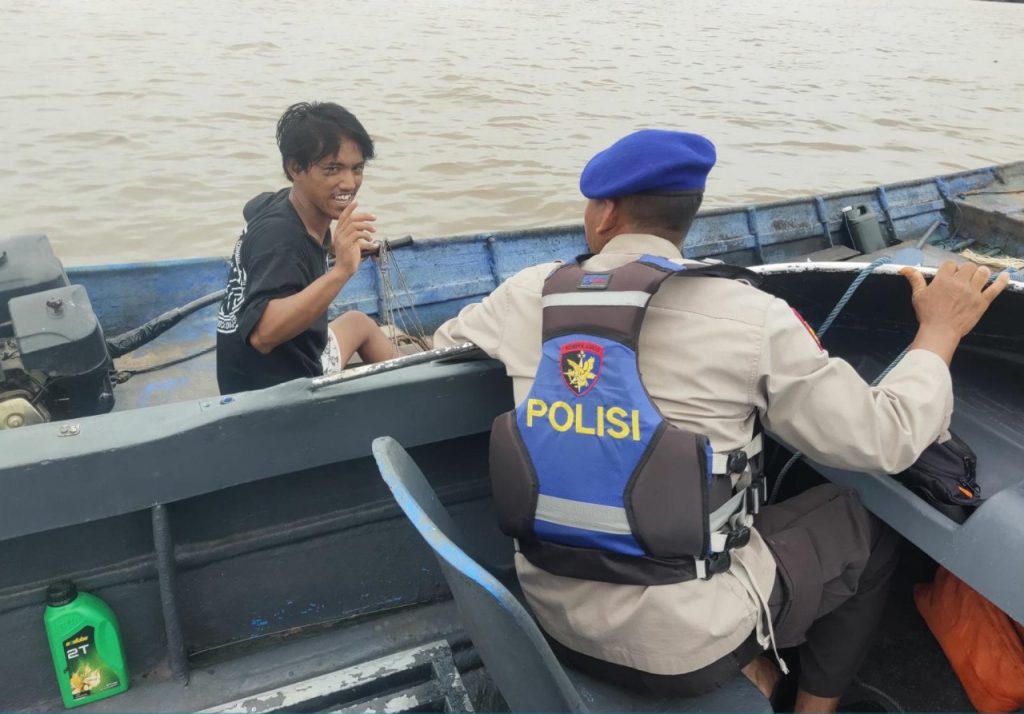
<point x="351" y="235"/>
<point x="957" y="297"/>
<point x="950" y="306"/>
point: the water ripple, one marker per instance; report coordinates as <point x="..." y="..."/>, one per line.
<point x="155" y="121"/>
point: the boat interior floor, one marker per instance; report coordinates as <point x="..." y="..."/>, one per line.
<point x="368" y="664"/>
<point x="906" y="670"/>
<point x="165" y="371"/>
<point x="268" y="674"/>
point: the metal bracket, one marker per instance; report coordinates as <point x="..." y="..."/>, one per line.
<point x="434" y="355"/>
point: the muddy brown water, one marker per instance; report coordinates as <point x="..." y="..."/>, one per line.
<point x="136" y="131"/>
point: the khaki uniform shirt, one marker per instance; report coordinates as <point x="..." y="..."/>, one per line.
<point x="713" y="353"/>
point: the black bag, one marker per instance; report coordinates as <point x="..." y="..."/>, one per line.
<point x="945" y="475"/>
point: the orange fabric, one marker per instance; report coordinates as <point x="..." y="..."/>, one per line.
<point x="985" y="647"/>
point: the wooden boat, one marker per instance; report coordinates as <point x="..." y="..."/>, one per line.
<point x="249" y="547"/>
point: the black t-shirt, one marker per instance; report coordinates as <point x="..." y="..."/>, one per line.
<point x="274" y="257"/>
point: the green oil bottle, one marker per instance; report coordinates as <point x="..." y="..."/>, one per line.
<point x="85" y="645"/>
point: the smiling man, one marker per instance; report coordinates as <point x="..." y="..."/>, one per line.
<point x="272" y="326"/>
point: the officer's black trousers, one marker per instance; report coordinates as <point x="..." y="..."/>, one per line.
<point x="834" y="561"/>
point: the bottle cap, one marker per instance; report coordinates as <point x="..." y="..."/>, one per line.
<point x="61" y="593"/>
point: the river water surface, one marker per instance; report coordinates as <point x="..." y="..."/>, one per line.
<point x="137" y="130"/>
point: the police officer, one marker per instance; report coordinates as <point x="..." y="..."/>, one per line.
<point x="715" y="355"/>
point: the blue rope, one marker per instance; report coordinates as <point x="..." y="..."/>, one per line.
<point x="861" y="277"/>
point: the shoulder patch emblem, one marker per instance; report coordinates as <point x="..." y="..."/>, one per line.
<point x="595" y="281"/>
<point x="581" y="366"/>
<point x="810" y="330"/>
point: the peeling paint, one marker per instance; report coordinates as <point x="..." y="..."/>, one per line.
<point x="293" y="696"/>
<point x="402" y="703"/>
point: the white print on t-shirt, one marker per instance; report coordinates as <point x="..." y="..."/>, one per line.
<point x="227" y="317"/>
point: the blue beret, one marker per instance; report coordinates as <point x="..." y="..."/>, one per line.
<point x="650" y="160"/>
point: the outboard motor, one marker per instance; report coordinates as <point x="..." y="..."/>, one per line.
<point x="54" y="361"/>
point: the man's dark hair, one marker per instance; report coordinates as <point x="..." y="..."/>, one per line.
<point x="666" y="216"/>
<point x="310" y="131"/>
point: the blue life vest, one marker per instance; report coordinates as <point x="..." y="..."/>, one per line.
<point x="587" y="474"/>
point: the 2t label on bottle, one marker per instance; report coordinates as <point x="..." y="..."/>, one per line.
<point x="87" y="672"/>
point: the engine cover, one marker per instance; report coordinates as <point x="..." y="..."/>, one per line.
<point x="27" y="265"/>
<point x="59" y="337"/>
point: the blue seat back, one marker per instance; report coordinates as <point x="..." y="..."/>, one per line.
<point x="509" y="643"/>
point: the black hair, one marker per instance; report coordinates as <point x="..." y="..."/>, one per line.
<point x="310" y="131"/>
<point x="668" y="216"/>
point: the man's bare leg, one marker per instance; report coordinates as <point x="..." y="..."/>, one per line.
<point x="764" y="674"/>
<point x="357" y="332"/>
<point x="810" y="703"/>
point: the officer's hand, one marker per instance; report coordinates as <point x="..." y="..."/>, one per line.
<point x="956" y="298"/>
<point x="351" y="233"/>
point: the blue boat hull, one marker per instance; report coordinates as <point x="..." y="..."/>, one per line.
<point x="445" y="274"/>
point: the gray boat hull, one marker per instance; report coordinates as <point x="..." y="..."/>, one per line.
<point x="254" y="528"/>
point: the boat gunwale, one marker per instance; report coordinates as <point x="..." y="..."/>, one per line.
<point x="183" y="432"/>
<point x="1015" y="285"/>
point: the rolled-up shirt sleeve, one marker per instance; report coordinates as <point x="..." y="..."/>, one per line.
<point x="822" y="407"/>
<point x="481" y="323"/>
<point x="273" y="271"/>
<point x="485" y="323"/>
